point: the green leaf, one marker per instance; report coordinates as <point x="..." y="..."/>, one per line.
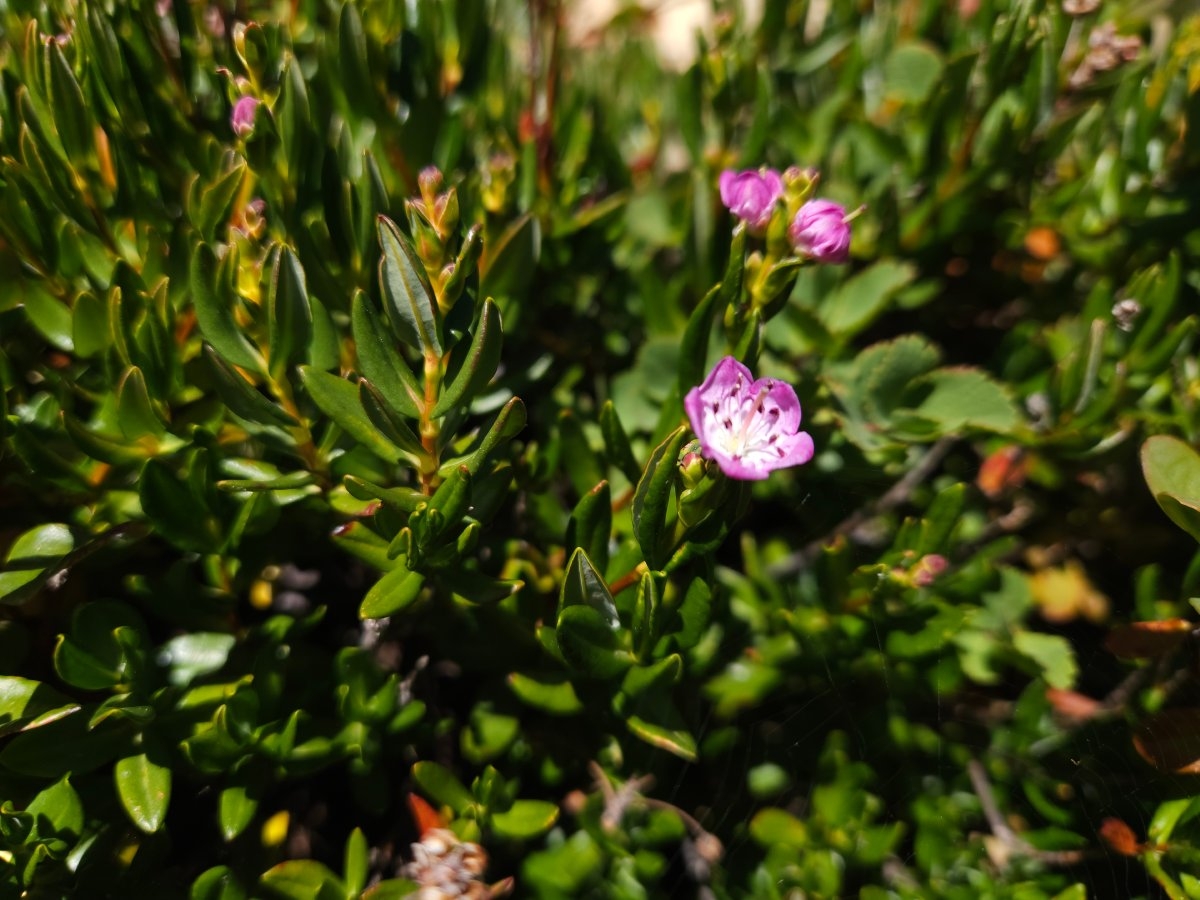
<point x="390" y="425"/>
<point x="1052" y="654"/>
<point x="1172" y="472"/>
<point x="392" y="593"/>
<point x="958" y="398"/>
<point x="911" y="71"/>
<point x="552" y="693"/>
<point x="441" y="786"/>
<point x="289" y="313"/>
<point x="241" y="396"/>
<point x="136" y="415"/>
<point x="301" y="879"/>
<point x="215" y="201"/>
<point x="236" y="806"/>
<point x="89" y="325"/>
<point x="31" y="554"/>
<point x="144" y="787"/>
<point x="583" y="585"/>
<point x="27" y="704"/>
<point x="69" y="108"/>
<point x="338" y="399"/>
<point x="507" y="425"/>
<point x="408" y="295"/>
<point x="693" y="350"/>
<point x="194" y="655"/>
<point x="356" y="861"/>
<point x="590" y="527"/>
<point x="213" y="300"/>
<point x="653" y="495"/>
<point x="858" y="301"/>
<point x="616" y="443"/>
<point x="525" y="819"/>
<point x="777" y="828"/>
<point x="57" y="810"/>
<point x="217" y="883"/>
<point x="381" y="363"/>
<point x="64" y="745"/>
<point x="507" y="266"/>
<point x="590" y="643"/>
<point x="479" y="364"/>
<point x="175" y="510"/>
<point x="665" y="730"/>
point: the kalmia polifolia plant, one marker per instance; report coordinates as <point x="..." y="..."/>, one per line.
<point x="388" y="506"/>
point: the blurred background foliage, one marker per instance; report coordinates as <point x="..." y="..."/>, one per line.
<point x="312" y="583"/>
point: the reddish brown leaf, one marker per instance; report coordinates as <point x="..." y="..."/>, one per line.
<point x="1002" y="471"/>
<point x="1140" y="640"/>
<point x="1120" y="837"/>
<point x="1170" y="740"/>
<point x="424" y="815"/>
<point x="1072" y="705"/>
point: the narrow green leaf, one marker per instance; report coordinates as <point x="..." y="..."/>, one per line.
<point x="478" y="365"/>
<point x="290" y="313"/>
<point x="408" y="295"/>
<point x="216" y="201"/>
<point x="464" y="266"/>
<point x="389" y="424"/>
<point x="338" y="399"/>
<point x="380" y="362"/>
<point x="616" y="443"/>
<point x="590" y="527"/>
<point x="241" y="397"/>
<point x="71" y="116"/>
<point x="693" y="349"/>
<point x="212" y="299"/>
<point x="653" y="495"/>
<point x="441" y="786"/>
<point x="508" y="424"/>
<point x="393" y="592"/>
<point x="144" y="787"/>
<point x="525" y="819"/>
<point x="356" y="860"/>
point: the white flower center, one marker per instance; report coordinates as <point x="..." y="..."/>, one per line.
<point x="745" y="427"/>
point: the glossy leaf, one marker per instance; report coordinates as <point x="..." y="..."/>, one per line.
<point x="650" y="501"/>
<point x="479" y="364"/>
<point x="144" y="788"/>
<point x="408" y="295"/>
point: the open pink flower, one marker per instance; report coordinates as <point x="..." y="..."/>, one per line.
<point x="820" y="231"/>
<point x="750" y="427"/>
<point x="751" y="195"/>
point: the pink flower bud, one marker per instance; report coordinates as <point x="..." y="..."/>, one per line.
<point x="242" y="120"/>
<point x="821" y="232"/>
<point x="928" y="569"/>
<point x="751" y="195"/>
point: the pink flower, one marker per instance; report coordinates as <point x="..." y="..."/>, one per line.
<point x="242" y="120"/>
<point x="751" y="428"/>
<point x="820" y="231"/>
<point x="751" y="195"/>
